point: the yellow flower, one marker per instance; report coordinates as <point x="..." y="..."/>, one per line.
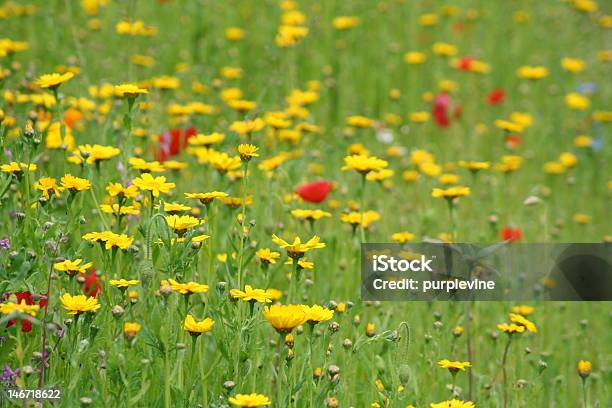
<point x="356" y="218"/>
<point x="584" y="368"/>
<point x="581" y="218"/>
<point x="297" y="249"/>
<point x="54" y="80"/>
<point x="345" y="22"/>
<point x="523" y="310"/>
<point x="247" y="152"/>
<point x="285" y="318"/>
<point x="195" y="328"/>
<point x="11" y="307"/>
<point x="448" y="178"/>
<point x="379" y="175"/>
<point x="402" y="237"/>
<point x="146" y="167"/>
<point x="509" y="163"/>
<point x="17" y="168"/>
<point x="246" y="127"/>
<point x="444" y="49"/>
<point x="509" y="126"/>
<point x="173" y="208"/>
<point x="224" y="163"/>
<point x="453" y="404"/>
<point x="74" y="184"/>
<point x="522" y="321"/>
<point x="250" y="294"/>
<point x="91" y="154"/>
<point x="79" y="304"/>
<point x="419" y="117"/>
<point x="360" y="122"/>
<point x="363" y="163"/>
<point x="310" y="215"/>
<point x="110" y="239"/>
<point x="182" y="222"/>
<point x="266" y="256"/>
<point x="317" y="314"/>
<point x="187" y="288"/>
<point x="206" y="198"/>
<point x="166" y="82"/>
<point x="153" y="184"/>
<point x="553" y="168"/>
<point x="583" y="141"/>
<point x="48" y="186"/>
<point x="577" y="101"/>
<point x="131" y="329"/>
<point x="234" y="33"/>
<point x="474" y="165"/>
<point x="116" y="189"/>
<point x="123" y="283"/>
<point x="249" y="400"/>
<point x="129" y="90"/>
<point x="415" y="57"/>
<point x="206" y="140"/>
<point x="72" y="267"/>
<point x="573" y="65"/>
<point x="529" y="72"/>
<point x="454" y="366"/>
<point x="510" y="328"/>
<point x="451" y="192"/>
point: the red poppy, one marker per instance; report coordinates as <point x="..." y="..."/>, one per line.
<point x="465" y="63"/>
<point x="173" y="141"/>
<point x="91" y="286"/>
<point x="511" y="234"/>
<point x="26" y="325"/>
<point x="314" y="192"/>
<point x="442" y="108"/>
<point x="496" y="96"/>
<point x="513" y="141"/>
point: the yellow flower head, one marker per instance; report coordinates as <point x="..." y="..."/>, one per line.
<point x="249" y="400"/>
<point x="12" y="307"/>
<point x="453" y="404"/>
<point x="522" y="321"/>
<point x="451" y="192"/>
<point x="454" y="366"/>
<point x="285" y="318"/>
<point x="153" y="184"/>
<point x="206" y="198"/>
<point x="363" y="163"/>
<point x="180" y="223"/>
<point x="129" y="90"/>
<point x="187" y="288"/>
<point x="110" y="239"/>
<point x="317" y="314"/>
<point x="584" y="368"/>
<point x="310" y="215"/>
<point x="54" y="80"/>
<point x="74" y="184"/>
<point x="123" y="283"/>
<point x="17" y="168"/>
<point x="195" y="328"/>
<point x="72" y="267"/>
<point x="250" y="294"/>
<point x="266" y="256"/>
<point x="75" y="305"/>
<point x="49" y="187"/>
<point x="402" y="237"/>
<point x="131" y="329"/>
<point x="247" y="152"/>
<point x="297" y="249"/>
<point x="510" y="328"/>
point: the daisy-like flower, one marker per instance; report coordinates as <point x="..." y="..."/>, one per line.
<point x="75" y="305"/>
<point x="22" y="307"/>
<point x="285" y="318"/>
<point x="453" y="404"/>
<point x="380" y="175"/>
<point x="251" y="295"/>
<point x="310" y="215"/>
<point x="451" y="192"/>
<point x="17" y="168"/>
<point x="474" y="166"/>
<point x="206" y="140"/>
<point x="523" y="310"/>
<point x="223" y="162"/>
<point x="206" y="198"/>
<point x="195" y="328"/>
<point x="360" y="122"/>
<point x="180" y="223"/>
<point x="75" y="184"/>
<point x="402" y="237"/>
<point x="317" y="314"/>
<point x="131" y="329"/>
<point x="532" y="72"/>
<point x="72" y="267"/>
<point x="118" y="190"/>
<point x="49" y="187"/>
<point x="584" y="368"/>
<point x="454" y="366"/>
<point x="123" y="283"/>
<point x="249" y="400"/>
<point x="511" y="328"/>
<point x="52" y="81"/>
<point x="146" y="167"/>
<point x="297" y="249"/>
<point x="129" y="90"/>
<point x="117" y="209"/>
<point x="174" y="208"/>
<point x="266" y="256"/>
<point x="356" y="218"/>
<point x="509" y="126"/>
<point x="520" y="320"/>
<point x="155" y="185"/>
<point x="364" y="163"/>
<point x="186" y="288"/>
<point x="110" y="239"/>
<point x="93" y="154"/>
<point x="303" y="263"/>
<point x="247" y="152"/>
<point x="246" y="127"/>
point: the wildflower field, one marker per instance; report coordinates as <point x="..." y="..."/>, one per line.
<point x="185" y="186"/>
